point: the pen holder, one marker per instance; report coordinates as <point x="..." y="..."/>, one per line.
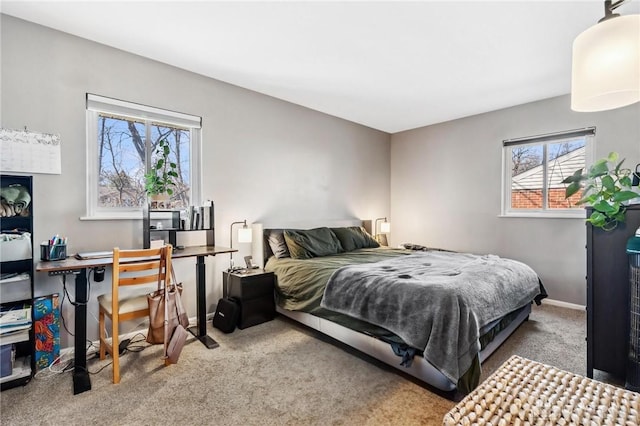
<point x="53" y="252"/>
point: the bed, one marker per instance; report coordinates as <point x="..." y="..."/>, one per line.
<point x="397" y="305"/>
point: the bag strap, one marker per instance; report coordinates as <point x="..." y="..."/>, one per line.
<point x="173" y="276"/>
<point x="162" y="263"/>
<point x="166" y="306"/>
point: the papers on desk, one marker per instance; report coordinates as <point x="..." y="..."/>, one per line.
<point x="15" y="319"/>
<point x="93" y="255"/>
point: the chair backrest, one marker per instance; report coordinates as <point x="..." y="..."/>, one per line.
<point x="143" y="266"/>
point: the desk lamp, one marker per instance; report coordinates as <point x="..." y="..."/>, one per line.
<point x="385" y="228"/>
<point x="244" y="236"/>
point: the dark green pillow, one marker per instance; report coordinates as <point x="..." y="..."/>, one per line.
<point x="308" y="243"/>
<point x="354" y="237"/>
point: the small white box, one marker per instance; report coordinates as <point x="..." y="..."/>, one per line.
<point x="16" y="288"/>
<point x="15" y="247"/>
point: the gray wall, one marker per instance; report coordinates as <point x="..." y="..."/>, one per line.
<point x="263" y="159"/>
<point x="446" y="187"/>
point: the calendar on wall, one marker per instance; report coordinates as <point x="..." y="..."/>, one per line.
<point x="29" y="152"/>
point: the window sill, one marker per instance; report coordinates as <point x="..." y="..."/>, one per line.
<point x="532" y="215"/>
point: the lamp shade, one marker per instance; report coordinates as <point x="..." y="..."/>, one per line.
<point x="244" y="235"/>
<point x="385" y="227"/>
<point x="606" y="65"/>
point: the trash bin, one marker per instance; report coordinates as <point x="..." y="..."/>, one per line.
<point x="633" y="362"/>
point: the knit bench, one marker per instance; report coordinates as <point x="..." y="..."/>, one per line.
<point x="525" y="392"/>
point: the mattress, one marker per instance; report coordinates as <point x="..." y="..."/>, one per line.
<point x="300" y="286"/>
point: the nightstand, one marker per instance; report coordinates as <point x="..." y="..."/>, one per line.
<point x="253" y="288"/>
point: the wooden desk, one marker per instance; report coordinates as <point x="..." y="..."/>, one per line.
<point x="71" y="265"/>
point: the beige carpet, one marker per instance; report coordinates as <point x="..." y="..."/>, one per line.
<point x="277" y="373"/>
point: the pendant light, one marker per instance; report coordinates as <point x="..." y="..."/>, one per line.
<point x="606" y="63"/>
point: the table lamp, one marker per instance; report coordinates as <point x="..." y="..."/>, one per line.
<point x="244" y="236"/>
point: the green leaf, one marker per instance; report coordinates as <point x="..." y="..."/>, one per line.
<point x="607" y="182"/>
<point x="600" y="168"/>
<point x="604" y="207"/>
<point x="572" y="189"/>
<point x="577" y="176"/>
<point x="619" y="166"/>
<point x="597" y="218"/>
<point x="613" y="157"/>
<point x="622" y="196"/>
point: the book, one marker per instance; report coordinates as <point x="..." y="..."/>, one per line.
<point x="15" y="316"/>
<point x="13" y="328"/>
<point x="192" y="217"/>
<point x="14" y="277"/>
<point x="15" y="336"/>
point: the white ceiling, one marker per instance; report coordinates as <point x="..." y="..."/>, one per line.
<point x="389" y="65"/>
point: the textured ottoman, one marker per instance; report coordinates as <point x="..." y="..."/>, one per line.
<point x="525" y="392"/>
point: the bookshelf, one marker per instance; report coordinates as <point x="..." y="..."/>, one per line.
<point x="16" y="281"/>
<point x="173" y="222"/>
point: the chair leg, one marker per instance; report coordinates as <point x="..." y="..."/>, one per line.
<point x="115" y="353"/>
<point x="103" y="351"/>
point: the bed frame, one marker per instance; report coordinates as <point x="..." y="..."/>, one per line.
<point x="376" y="348"/>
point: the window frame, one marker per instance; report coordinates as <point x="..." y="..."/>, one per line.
<point x="546" y="139"/>
<point x="96" y="105"/>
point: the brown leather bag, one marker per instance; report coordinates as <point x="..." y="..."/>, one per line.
<point x="159" y="310"/>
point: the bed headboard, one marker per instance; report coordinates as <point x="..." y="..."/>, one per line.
<point x="260" y="250"/>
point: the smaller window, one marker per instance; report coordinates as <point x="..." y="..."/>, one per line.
<point x="534" y="168"/>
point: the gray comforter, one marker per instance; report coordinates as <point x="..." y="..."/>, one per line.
<point x="435" y="301"/>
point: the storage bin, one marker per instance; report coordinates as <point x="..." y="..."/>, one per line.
<point x="6" y="361"/>
<point x="16" y="288"/>
<point x="15" y="247"/>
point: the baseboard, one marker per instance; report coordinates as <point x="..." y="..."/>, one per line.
<point x="562" y="304"/>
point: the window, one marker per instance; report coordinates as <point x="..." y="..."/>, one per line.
<point x="121" y="141"/>
<point x="534" y="168"/>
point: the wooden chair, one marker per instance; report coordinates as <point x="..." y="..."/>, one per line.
<point x="151" y="265"/>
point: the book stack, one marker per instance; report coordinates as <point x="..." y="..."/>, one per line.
<point x="200" y="216"/>
<point x="14" y="328"/>
<point x="15" y="323"/>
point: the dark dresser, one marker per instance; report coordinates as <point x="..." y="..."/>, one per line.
<point x="608" y="295"/>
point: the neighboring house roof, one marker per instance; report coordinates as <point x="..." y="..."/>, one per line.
<point x="558" y="170"/>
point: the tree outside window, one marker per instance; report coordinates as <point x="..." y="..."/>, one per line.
<point x="122" y="161"/>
